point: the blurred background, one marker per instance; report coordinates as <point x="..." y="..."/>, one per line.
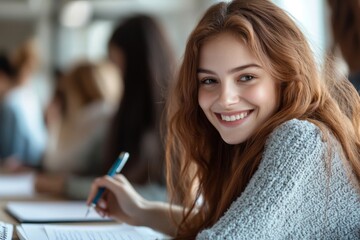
<point x="68" y="30"/>
<point x="66" y="110"/>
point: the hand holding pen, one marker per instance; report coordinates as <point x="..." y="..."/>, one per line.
<point x="122" y="203"/>
<point x="115" y="168"/>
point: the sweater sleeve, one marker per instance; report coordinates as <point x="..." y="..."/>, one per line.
<point x="259" y="212"/>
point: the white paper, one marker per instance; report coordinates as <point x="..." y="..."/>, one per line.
<point x="17" y="185"/>
<point x="21" y="233"/>
<point x="89" y="232"/>
<point x="6" y="231"/>
<point x="92" y="233"/>
<point x="43" y="212"/>
<point x="32" y="232"/>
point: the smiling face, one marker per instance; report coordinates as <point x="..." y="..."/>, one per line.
<point x="236" y="93"/>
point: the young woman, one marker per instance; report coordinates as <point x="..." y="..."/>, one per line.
<point x="259" y="146"/>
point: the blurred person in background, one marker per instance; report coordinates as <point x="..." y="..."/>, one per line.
<point x="56" y="105"/>
<point x="345" y="25"/>
<point x="7" y="74"/>
<point x="84" y="102"/>
<point x="22" y="129"/>
<point x="141" y="51"/>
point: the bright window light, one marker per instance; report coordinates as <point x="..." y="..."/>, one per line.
<point x="76" y="14"/>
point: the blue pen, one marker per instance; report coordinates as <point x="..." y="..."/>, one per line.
<point x="115" y="168"/>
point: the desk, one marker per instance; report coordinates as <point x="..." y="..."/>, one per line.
<point x="3" y="214"/>
<point x="19" y="188"/>
<point x="5" y="217"/>
<point x="33" y="196"/>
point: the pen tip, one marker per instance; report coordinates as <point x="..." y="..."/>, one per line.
<point x="87" y="212"/>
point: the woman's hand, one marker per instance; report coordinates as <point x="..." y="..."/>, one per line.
<point x="120" y="201"/>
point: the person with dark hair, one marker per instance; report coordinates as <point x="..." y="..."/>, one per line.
<point x="141" y="51"/>
<point x="345" y="26"/>
<point x="7" y="74"/>
<point x="22" y="127"/>
<point x="260" y="144"/>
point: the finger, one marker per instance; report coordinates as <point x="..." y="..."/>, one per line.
<point x="97" y="183"/>
<point x="102" y="207"/>
<point x="123" y="185"/>
<point x="92" y="193"/>
<point x="102" y="204"/>
<point x="121" y="178"/>
<point x="114" y="185"/>
<point x="101" y="212"/>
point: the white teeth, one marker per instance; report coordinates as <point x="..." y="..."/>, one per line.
<point x="234" y="117"/>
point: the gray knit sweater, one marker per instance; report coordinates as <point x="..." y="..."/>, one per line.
<point x="292" y="194"/>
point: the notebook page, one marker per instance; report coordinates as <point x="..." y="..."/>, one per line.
<point x="107" y="232"/>
<point x="31" y="232"/>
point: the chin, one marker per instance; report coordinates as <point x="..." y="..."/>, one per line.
<point x="233" y="141"/>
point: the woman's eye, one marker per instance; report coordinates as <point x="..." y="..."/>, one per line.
<point x="208" y="81"/>
<point x="246" y="78"/>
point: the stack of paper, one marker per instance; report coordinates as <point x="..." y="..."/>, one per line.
<point x="49" y="212"/>
<point x="89" y="232"/>
<point x="31" y="214"/>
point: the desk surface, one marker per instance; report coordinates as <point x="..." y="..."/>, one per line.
<point x="5" y="217"/>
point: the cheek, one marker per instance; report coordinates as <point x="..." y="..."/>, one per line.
<point x="265" y="97"/>
<point x="203" y="99"/>
<point x="257" y="96"/>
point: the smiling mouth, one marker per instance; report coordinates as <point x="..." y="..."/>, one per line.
<point x="234" y="117"/>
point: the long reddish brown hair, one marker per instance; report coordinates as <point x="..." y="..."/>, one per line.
<point x="204" y="173"/>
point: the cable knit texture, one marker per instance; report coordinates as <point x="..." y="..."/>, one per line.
<point x="295" y="193"/>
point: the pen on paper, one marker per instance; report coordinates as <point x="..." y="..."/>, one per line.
<point x="115" y="168"/>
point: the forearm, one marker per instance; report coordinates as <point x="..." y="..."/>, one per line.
<point x="157" y="215"/>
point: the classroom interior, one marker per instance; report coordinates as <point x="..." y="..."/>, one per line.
<point x="66" y="32"/>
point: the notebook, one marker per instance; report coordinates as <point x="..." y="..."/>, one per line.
<point x="48" y="212"/>
<point x="6" y="231"/>
<point x="115" y="232"/>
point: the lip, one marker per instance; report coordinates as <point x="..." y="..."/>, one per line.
<point x="233" y="123"/>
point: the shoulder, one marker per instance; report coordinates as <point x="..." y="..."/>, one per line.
<point x="294" y="135"/>
<point x="295" y="128"/>
<point x="293" y="145"/>
<point x="91" y="120"/>
<point x="289" y="193"/>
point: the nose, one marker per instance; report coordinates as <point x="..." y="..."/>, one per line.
<point x="229" y="95"/>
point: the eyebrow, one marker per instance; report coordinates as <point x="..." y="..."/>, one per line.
<point x="233" y="70"/>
